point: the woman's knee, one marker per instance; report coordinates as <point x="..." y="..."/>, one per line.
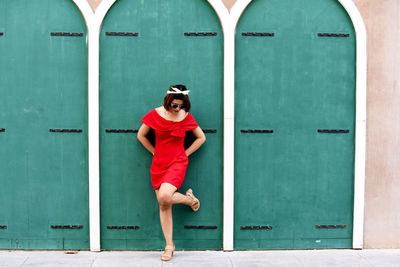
<point x="164" y="199"/>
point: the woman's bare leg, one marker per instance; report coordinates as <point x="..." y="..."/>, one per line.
<point x="165" y="202"/>
<point x="178" y="198"/>
<point x="167" y="196"/>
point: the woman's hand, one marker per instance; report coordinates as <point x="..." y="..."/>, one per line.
<point x="141" y="136"/>
<point x="200" y="139"/>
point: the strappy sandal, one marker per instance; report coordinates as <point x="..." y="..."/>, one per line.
<point x="168" y="253"/>
<point x="196" y="205"/>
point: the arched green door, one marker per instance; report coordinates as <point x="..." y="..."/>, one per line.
<point x="43" y="121"/>
<point x="295" y="125"/>
<point x="145" y="46"/>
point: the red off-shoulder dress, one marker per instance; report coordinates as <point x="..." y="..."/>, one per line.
<point x="169" y="160"/>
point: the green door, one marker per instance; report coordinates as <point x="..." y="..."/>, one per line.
<point x="295" y="125"/>
<point x="145" y="46"/>
<point x="43" y="126"/>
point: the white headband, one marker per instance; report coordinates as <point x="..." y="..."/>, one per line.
<point x="177" y="91"/>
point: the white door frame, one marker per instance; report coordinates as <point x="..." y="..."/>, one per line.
<point x="229" y="22"/>
<point x="93" y="23"/>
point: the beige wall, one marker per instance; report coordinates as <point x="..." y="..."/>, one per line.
<point x="94" y="3"/>
<point x="382" y="208"/>
<point x="229" y="3"/>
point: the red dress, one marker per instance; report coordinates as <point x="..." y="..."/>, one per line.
<point x="169" y="160"/>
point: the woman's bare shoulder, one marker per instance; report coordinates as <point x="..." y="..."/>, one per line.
<point x="160" y="108"/>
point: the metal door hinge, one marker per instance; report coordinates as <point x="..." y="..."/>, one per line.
<point x="200" y="34"/>
<point x="249" y="227"/>
<point x="267" y="34"/>
<point x="121" y="131"/>
<point x="333" y="130"/>
<point x="200" y="227"/>
<point x="122" y="33"/>
<point x="66" y="130"/>
<point x="333" y="34"/>
<point x="330" y="226"/>
<point x="67" y="226"/>
<point x="256" y="131"/>
<point x="134" y="227"/>
<point x="72" y="34"/>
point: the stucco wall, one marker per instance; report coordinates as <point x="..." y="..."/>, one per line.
<point x="382" y="198"/>
<point x="94" y="3"/>
<point x="229" y="3"/>
<point x="382" y="208"/>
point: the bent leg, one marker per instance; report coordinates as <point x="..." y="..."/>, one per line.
<point x="170" y="195"/>
<point x="178" y="198"/>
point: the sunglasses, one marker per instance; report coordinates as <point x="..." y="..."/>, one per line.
<point x="176" y="106"/>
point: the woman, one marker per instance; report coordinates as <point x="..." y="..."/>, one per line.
<point x="170" y="159"/>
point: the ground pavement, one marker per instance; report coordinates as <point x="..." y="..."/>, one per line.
<point x="289" y="258"/>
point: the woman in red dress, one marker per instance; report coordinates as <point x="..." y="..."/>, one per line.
<point x="170" y="159"/>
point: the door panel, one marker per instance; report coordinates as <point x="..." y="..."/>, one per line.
<point x="293" y="82"/>
<point x="143" y="50"/>
<point x="43" y="90"/>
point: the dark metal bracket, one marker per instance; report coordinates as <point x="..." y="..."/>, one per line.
<point x="200" y="227"/>
<point x="121" y="130"/>
<point x="265" y="34"/>
<point x="256" y="131"/>
<point x="247" y="227"/>
<point x="122" y="33"/>
<point x="200" y="34"/>
<point x="72" y="34"/>
<point x="66" y="130"/>
<point x="330" y="226"/>
<point x="1" y="33"/>
<point x="67" y="226"/>
<point x="333" y="131"/>
<point x="2" y="129"/>
<point x="209" y="130"/>
<point x="333" y="35"/>
<point x="3" y="226"/>
<point x="134" y="227"/>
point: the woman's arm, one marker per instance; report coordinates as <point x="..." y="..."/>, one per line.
<point x="141" y="136"/>
<point x="200" y="139"/>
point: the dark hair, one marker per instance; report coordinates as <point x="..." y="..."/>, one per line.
<point x="170" y="97"/>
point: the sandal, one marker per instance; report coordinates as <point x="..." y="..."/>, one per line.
<point x="168" y="253"/>
<point x="196" y="205"/>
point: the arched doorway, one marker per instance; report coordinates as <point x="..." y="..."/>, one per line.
<point x="43" y="107"/>
<point x="295" y="125"/>
<point x="144" y="47"/>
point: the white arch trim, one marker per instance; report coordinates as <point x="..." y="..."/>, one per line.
<point x="93" y="23"/>
<point x="229" y="24"/>
<point x="361" y="118"/>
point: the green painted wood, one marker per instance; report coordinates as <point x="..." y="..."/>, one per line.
<point x="43" y="85"/>
<point x="135" y="73"/>
<point x="294" y="83"/>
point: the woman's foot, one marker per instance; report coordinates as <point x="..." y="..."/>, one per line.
<point x="168" y="253"/>
<point x="196" y="203"/>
